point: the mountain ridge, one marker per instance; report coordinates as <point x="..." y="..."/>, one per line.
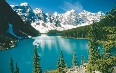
<point x="43" y="22"/>
<point x="12" y="27"/>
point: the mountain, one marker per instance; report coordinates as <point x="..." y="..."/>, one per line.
<point x="25" y="11"/>
<point x="44" y="22"/>
<point x="9" y="19"/>
<point x="9" y="16"/>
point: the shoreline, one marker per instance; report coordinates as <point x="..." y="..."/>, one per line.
<point x="14" y="44"/>
<point x="75" y="38"/>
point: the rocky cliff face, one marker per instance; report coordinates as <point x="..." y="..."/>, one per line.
<point x="8" y="16"/>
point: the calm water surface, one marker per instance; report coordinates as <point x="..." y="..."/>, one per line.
<point x="49" y="48"/>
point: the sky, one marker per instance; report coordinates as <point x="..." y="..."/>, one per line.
<point x="62" y="6"/>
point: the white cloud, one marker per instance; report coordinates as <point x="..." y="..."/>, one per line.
<point x="76" y="6"/>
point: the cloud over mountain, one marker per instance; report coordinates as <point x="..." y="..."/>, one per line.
<point x="69" y="5"/>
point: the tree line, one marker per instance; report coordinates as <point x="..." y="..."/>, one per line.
<point x="54" y="32"/>
<point x="80" y="32"/>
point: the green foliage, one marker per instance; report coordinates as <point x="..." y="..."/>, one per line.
<point x="74" y="60"/>
<point x="99" y="33"/>
<point x="53" y="32"/>
<point x="66" y="65"/>
<point x="106" y="65"/>
<point x="79" y="32"/>
<point x="11" y="65"/>
<point x="61" y="63"/>
<point x="103" y="33"/>
<point x="93" y="55"/>
<point x="12" y="70"/>
<point x="36" y="63"/>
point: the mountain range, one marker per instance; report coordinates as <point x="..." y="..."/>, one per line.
<point x="43" y="22"/>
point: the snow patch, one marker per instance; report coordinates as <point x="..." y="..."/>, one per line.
<point x="24" y="4"/>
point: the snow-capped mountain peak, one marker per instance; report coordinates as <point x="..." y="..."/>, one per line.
<point x="37" y="11"/>
<point x="70" y="12"/>
<point x="24" y="4"/>
<point x="12" y="6"/>
<point x="44" y="22"/>
<point x="55" y="14"/>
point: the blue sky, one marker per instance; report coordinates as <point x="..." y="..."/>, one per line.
<point x="62" y="6"/>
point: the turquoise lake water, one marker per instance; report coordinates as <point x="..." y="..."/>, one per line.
<point x="49" y="48"/>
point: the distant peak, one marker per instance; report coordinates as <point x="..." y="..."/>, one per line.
<point x="84" y="11"/>
<point x="72" y="10"/>
<point x="55" y="13"/>
<point x="38" y="10"/>
<point x="100" y="12"/>
<point x="12" y="6"/>
<point x="24" y="4"/>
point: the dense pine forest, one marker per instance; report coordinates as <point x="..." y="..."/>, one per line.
<point x="103" y="33"/>
<point x="79" y="32"/>
<point x="53" y="32"/>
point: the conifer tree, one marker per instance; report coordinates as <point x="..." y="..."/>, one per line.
<point x="74" y="60"/>
<point x="17" y="69"/>
<point x="82" y="60"/>
<point x="61" y="63"/>
<point x="36" y="63"/>
<point x="93" y="47"/>
<point x="11" y="65"/>
<point x="66" y="65"/>
<point x="94" y="56"/>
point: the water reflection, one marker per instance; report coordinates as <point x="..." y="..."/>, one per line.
<point x="59" y="43"/>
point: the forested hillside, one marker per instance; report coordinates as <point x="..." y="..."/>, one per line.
<point x="106" y="27"/>
<point x="102" y="37"/>
<point x="79" y="32"/>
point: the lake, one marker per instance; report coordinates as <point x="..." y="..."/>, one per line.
<point x="49" y="48"/>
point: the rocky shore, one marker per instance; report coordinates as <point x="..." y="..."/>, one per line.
<point x="83" y="69"/>
<point x="7" y="41"/>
